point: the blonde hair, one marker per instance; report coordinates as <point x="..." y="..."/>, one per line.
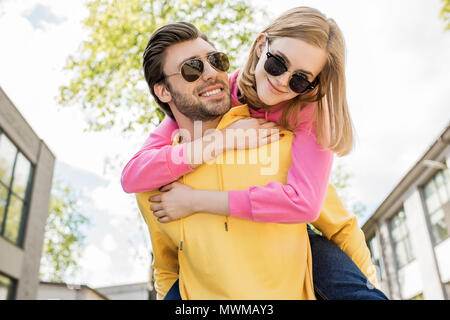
<point x="334" y="128"/>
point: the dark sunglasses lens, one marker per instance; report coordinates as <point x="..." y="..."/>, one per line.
<point x="274" y="67"/>
<point x="298" y="83"/>
<point x="219" y="61"/>
<point x="192" y="70"/>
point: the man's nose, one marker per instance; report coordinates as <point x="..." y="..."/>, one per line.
<point x="209" y="72"/>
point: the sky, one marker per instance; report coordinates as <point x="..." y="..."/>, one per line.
<point x="397" y="74"/>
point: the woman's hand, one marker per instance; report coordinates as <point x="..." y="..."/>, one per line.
<point x="173" y="203"/>
<point x="250" y="133"/>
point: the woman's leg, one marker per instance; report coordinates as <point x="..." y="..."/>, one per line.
<point x="174" y="292"/>
<point x="336" y="276"/>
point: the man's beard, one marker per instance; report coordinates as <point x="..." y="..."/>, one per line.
<point x="196" y="110"/>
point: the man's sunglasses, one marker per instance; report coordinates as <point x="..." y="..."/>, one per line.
<point x="192" y="69"/>
<point x="276" y="66"/>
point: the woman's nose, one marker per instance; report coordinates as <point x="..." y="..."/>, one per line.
<point x="283" y="79"/>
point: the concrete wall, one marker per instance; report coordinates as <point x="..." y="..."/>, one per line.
<point x="22" y="263"/>
<point x="442" y="251"/>
<point x="410" y="280"/>
<point x="423" y="247"/>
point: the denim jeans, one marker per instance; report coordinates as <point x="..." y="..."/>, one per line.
<point x="335" y="275"/>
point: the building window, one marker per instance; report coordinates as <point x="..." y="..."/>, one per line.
<point x="15" y="177"/>
<point x="400" y="239"/>
<point x="436" y="194"/>
<point x="7" y="288"/>
<point x="376" y="257"/>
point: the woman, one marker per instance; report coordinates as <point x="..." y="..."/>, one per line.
<point x="296" y="62"/>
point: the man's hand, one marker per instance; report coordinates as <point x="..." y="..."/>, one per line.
<point x="173" y="203"/>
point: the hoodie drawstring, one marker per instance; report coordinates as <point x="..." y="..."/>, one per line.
<point x="182" y="227"/>
<point x="220" y="177"/>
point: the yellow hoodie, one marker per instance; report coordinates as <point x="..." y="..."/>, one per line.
<point x="217" y="257"/>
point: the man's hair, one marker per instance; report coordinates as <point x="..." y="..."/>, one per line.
<point x="154" y="54"/>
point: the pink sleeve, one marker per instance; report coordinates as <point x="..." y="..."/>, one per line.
<point x="301" y="198"/>
<point x="157" y="163"/>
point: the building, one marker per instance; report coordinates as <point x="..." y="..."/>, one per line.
<point x="408" y="234"/>
<point x="63" y="291"/>
<point x="136" y="291"/>
<point x="26" y="172"/>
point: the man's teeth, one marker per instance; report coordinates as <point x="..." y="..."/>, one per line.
<point x="208" y="93"/>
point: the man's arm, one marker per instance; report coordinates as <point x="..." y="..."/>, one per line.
<point x="341" y="227"/>
<point x="165" y="252"/>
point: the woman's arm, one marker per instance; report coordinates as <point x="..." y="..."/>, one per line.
<point x="150" y="167"/>
<point x="298" y="201"/>
<point x="159" y="162"/>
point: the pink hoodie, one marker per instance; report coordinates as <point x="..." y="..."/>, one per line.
<point x="298" y="201"/>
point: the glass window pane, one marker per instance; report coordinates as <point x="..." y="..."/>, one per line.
<point x="442" y="190"/>
<point x="439" y="226"/>
<point x="400" y="238"/>
<point x="447" y="180"/>
<point x="21" y="175"/>
<point x="376" y="257"/>
<point x="7" y="155"/>
<point x="5" y="287"/>
<point x="13" y="219"/>
<point x="3" y="196"/>
<point x="373" y="247"/>
<point x="400" y="253"/>
<point x="411" y="254"/>
<point x="431" y="197"/>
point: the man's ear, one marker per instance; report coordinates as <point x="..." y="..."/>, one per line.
<point x="162" y="92"/>
<point x="260" y="44"/>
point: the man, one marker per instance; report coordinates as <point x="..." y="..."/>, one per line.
<point x="216" y="257"/>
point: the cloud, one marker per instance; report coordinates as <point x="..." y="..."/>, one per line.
<point x="113" y="201"/>
<point x="109" y="244"/>
<point x="40" y="15"/>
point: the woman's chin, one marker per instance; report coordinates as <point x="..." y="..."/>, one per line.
<point x="269" y="100"/>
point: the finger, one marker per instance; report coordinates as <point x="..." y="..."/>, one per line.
<point x="156" y="206"/>
<point x="268" y="125"/>
<point x="159" y="213"/>
<point x="269" y="131"/>
<point x="156" y="198"/>
<point x="164" y="219"/>
<point x="261" y="120"/>
<point x="271" y="139"/>
<point x="167" y="187"/>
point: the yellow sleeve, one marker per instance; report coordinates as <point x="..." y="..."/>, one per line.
<point x="341" y="227"/>
<point x="165" y="252"/>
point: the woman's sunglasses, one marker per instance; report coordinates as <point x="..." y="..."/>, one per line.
<point x="276" y="66"/>
<point x="192" y="69"/>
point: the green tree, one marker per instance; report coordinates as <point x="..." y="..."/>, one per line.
<point x="106" y="73"/>
<point x="64" y="237"/>
<point x="445" y="13"/>
<point x="340" y="178"/>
